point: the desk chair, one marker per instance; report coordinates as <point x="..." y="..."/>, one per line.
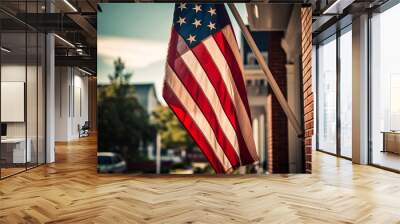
<point x="84" y="130"/>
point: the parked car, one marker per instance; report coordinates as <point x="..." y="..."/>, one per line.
<point x="110" y="162"/>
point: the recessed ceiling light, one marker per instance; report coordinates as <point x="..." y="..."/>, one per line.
<point x="338" y="6"/>
<point x="64" y="40"/>
<point x="84" y="71"/>
<point x="70" y="5"/>
<point x="5" y="50"/>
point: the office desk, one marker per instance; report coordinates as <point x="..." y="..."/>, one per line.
<point x="13" y="150"/>
<point x="391" y="141"/>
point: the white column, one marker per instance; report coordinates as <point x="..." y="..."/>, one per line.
<point x="360" y="90"/>
<point x="50" y="98"/>
<point x="50" y="91"/>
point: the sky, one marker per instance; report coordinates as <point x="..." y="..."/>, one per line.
<point x="139" y="34"/>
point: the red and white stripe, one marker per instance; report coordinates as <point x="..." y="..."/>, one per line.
<point x="204" y="87"/>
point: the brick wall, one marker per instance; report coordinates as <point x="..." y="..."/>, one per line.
<point x="306" y="38"/>
<point x="277" y="137"/>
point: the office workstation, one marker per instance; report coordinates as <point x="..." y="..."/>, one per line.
<point x="16" y="148"/>
<point x="16" y="145"/>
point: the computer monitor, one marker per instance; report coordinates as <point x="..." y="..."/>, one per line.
<point x="3" y="129"/>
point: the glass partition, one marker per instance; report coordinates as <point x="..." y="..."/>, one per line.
<point x="327" y="96"/>
<point x="22" y="77"/>
<point x="31" y="99"/>
<point x="345" y="43"/>
<point x="385" y="89"/>
<point x="14" y="153"/>
<point x="334" y="94"/>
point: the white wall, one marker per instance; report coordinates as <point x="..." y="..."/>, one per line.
<point x="61" y="103"/>
<point x="80" y="104"/>
<point x="71" y="102"/>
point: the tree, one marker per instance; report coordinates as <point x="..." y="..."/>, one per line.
<point x="173" y="135"/>
<point x="123" y="123"/>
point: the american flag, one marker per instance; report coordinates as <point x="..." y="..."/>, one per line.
<point x="204" y="85"/>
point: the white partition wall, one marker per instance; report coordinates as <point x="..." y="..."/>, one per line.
<point x="71" y="102"/>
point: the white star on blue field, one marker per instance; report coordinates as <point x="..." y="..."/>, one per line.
<point x="194" y="22"/>
<point x="139" y="34"/>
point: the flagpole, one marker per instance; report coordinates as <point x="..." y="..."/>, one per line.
<point x="270" y="78"/>
<point x="158" y="153"/>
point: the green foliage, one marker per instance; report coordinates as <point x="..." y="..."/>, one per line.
<point x="123" y="123"/>
<point x="173" y="135"/>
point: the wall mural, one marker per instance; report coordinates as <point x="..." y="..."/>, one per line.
<point x="191" y="98"/>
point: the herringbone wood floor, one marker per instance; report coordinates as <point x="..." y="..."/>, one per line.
<point x="70" y="191"/>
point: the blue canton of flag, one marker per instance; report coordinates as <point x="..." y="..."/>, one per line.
<point x="195" y="22"/>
